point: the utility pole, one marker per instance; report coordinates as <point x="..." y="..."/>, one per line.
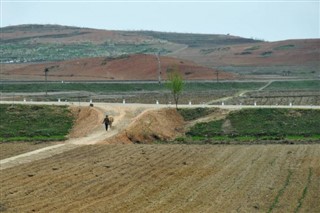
<point x="159" y="67"/>
<point x="46" y="70"/>
<point x="217" y="73"/>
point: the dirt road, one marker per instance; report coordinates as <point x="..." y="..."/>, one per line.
<point x="88" y="130"/>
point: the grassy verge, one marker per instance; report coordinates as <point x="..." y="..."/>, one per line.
<point x="192" y="114"/>
<point x="251" y="125"/>
<point x="34" y="123"/>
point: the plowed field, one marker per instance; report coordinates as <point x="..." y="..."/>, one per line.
<point x="167" y="178"/>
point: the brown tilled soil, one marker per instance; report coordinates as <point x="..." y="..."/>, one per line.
<point x="10" y="149"/>
<point x="167" y="178"/>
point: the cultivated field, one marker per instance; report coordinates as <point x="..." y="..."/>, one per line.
<point x="157" y="178"/>
<point x="167" y="178"/>
<point x="296" y="92"/>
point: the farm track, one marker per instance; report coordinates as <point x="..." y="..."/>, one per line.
<point x="167" y="178"/>
<point x="94" y="133"/>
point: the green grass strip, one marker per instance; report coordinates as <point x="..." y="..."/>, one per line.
<point x="35" y="138"/>
<point x="305" y="190"/>
<point x="281" y="191"/>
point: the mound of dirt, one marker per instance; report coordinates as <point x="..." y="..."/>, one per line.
<point x="87" y="119"/>
<point x="152" y="125"/>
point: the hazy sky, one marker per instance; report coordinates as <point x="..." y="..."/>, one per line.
<point x="270" y="19"/>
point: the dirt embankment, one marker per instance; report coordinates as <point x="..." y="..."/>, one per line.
<point x="87" y="120"/>
<point x="132" y="124"/>
<point x="151" y="125"/>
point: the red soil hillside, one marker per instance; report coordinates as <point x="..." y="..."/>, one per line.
<point x="289" y="53"/>
<point x="133" y="67"/>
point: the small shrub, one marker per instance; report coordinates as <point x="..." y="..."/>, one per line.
<point x="193" y="114"/>
<point x="266" y="54"/>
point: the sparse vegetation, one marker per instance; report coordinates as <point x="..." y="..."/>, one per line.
<point x="21" y="52"/>
<point x="285" y="47"/>
<point x="281" y="191"/>
<point x="256" y="47"/>
<point x="195" y="113"/>
<point x="304" y="192"/>
<point x="211" y="50"/>
<point x="246" y="53"/>
<point x="267" y="53"/>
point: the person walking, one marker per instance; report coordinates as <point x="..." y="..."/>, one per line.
<point x="106" y="122"/>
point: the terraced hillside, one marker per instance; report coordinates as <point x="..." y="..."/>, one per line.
<point x="162" y="178"/>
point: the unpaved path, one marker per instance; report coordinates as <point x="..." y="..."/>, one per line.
<point x="123" y="116"/>
<point x="239" y="94"/>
